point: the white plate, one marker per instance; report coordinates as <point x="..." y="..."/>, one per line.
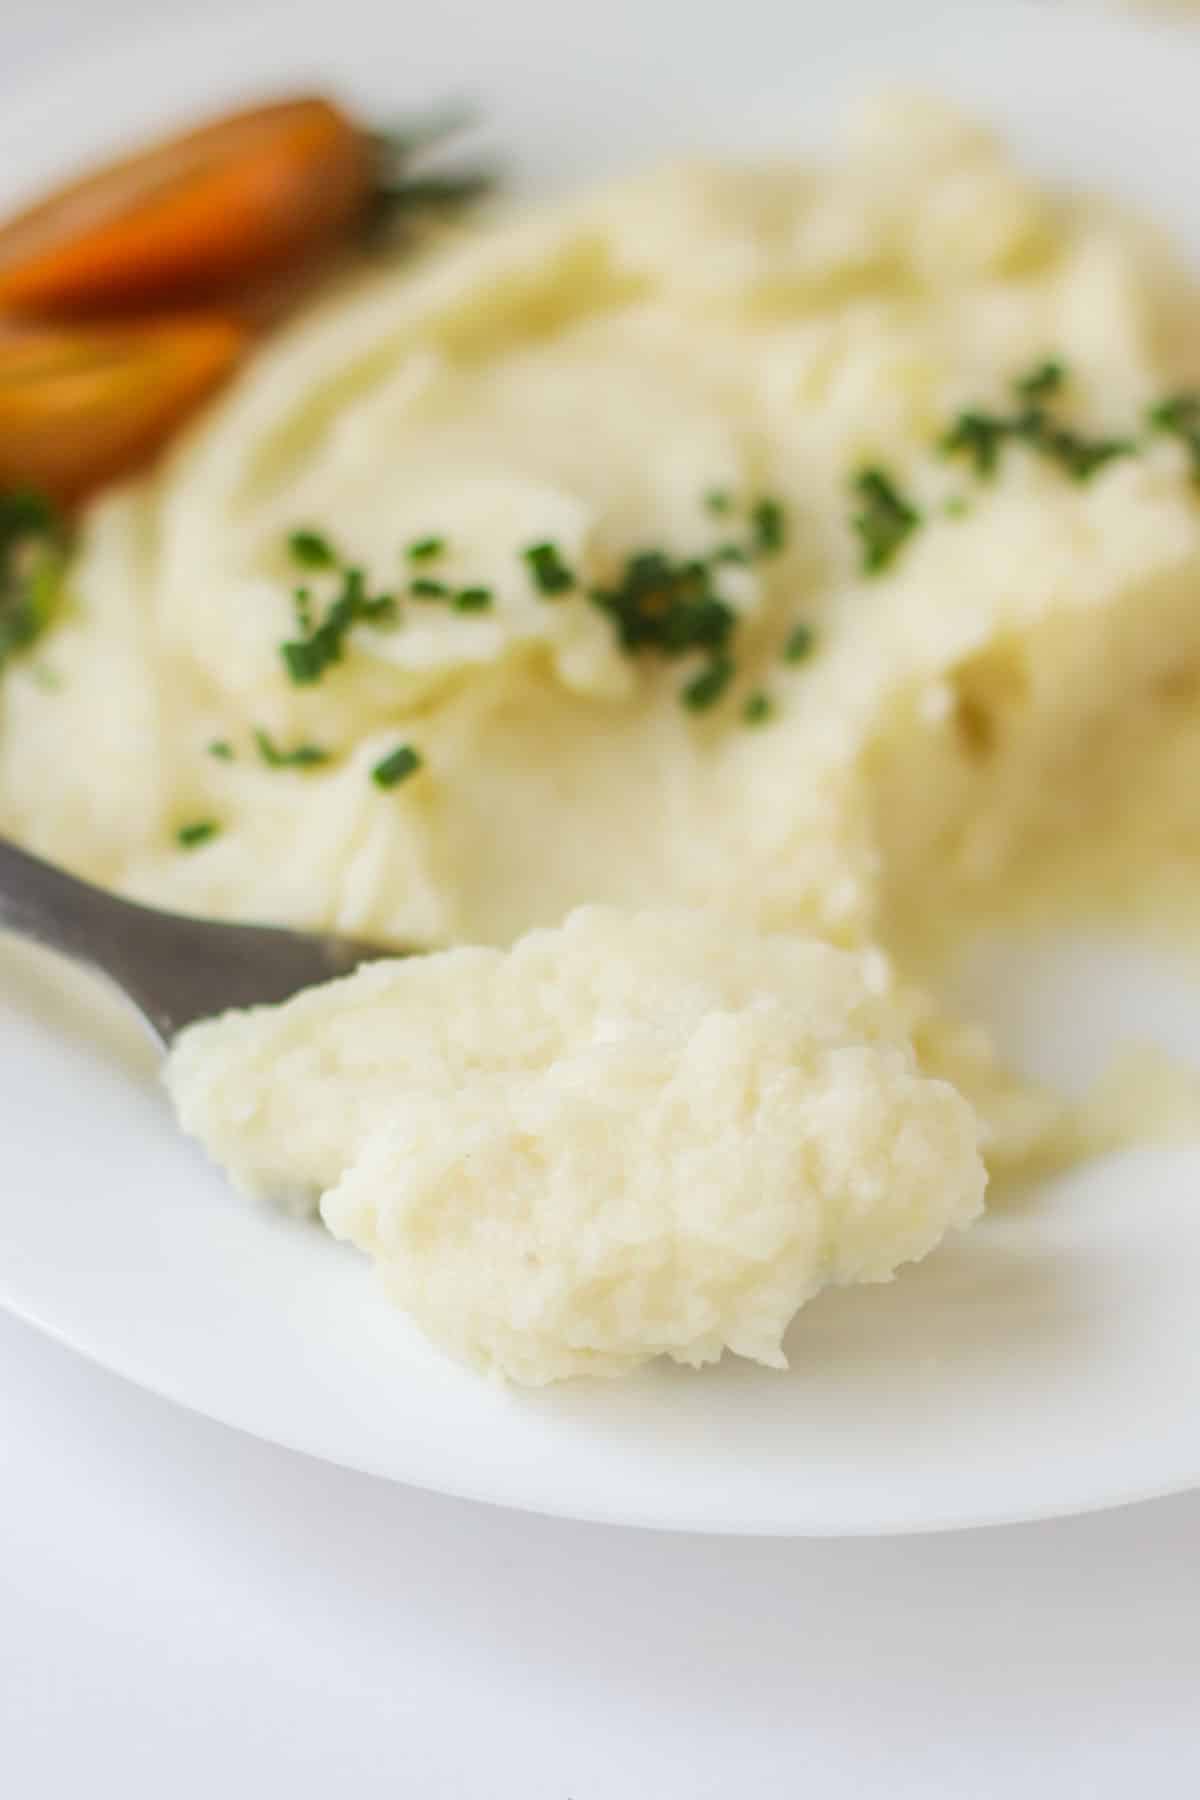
<point x="1047" y="1363"/>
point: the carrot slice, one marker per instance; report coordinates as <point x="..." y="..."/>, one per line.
<point x="197" y="216"/>
<point x="81" y="407"/>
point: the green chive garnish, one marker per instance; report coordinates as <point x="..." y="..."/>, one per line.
<point x="190" y="837"/>
<point x="304" y="756"/>
<point x="884" y="521"/>
<point x="705" y="689"/>
<point x="800" y="644"/>
<point x="1046" y="379"/>
<point x="396" y="767"/>
<point x="770" y="528"/>
<point x="311" y="550"/>
<point x="550" y="573"/>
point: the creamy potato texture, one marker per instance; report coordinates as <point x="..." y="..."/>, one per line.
<point x="925" y="683"/>
<point x="631" y="1136"/>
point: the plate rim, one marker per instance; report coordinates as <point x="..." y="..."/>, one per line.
<point x="157" y="44"/>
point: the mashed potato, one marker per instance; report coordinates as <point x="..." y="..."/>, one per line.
<point x="783" y="544"/>
<point x="631" y="1136"/>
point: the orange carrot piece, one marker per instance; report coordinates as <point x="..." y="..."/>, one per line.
<point x="196" y="217"/>
<point x="79" y="407"/>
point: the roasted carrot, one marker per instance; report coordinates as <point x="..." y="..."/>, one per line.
<point x="223" y="205"/>
<point x="220" y="213"/>
<point x="81" y="406"/>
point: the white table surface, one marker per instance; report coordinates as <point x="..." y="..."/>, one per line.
<point x="186" y="1612"/>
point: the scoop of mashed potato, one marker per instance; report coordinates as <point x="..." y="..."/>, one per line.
<point x="636" y="1135"/>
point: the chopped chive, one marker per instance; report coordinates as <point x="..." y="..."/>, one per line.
<point x="800" y="644"/>
<point x="550" y="573"/>
<point x="718" y="501"/>
<point x="668" y="606"/>
<point x="425" y="548"/>
<point x="34" y="544"/>
<point x="1179" y="415"/>
<point x="705" y="689"/>
<point x="307" y="658"/>
<point x="472" y="599"/>
<point x="770" y="527"/>
<point x="884" y="520"/>
<point x="305" y="661"/>
<point x="190" y="837"/>
<point x="1080" y="457"/>
<point x="978" y="436"/>
<point x="757" y="708"/>
<point x="396" y="767"/>
<point x="311" y="550"/>
<point x="302" y="607"/>
<point x="981" y="436"/>
<point x="304" y="756"/>
<point x="1046" y="379"/>
<point x="222" y="749"/>
<point x="730" y="553"/>
<point x="379" y="609"/>
<point x="424" y="589"/>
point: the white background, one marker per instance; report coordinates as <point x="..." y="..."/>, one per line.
<point x="184" y="1611"/>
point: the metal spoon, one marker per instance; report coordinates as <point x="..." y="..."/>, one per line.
<point x="174" y="969"/>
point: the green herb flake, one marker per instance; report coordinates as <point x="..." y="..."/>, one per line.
<point x="397" y="766"/>
<point x="311" y="550"/>
<point x="550" y="573"/>
<point x="885" y="520"/>
<point x="978" y="436"/>
<point x="757" y="708"/>
<point x="425" y="549"/>
<point x="664" y="605"/>
<point x="1080" y="457"/>
<point x="981" y="436"/>
<point x="718" y="501"/>
<point x="472" y="599"/>
<point x="769" y="525"/>
<point x="730" y="553"/>
<point x="956" y="507"/>
<point x="378" y="609"/>
<point x="308" y="657"/>
<point x="302" y="607"/>
<point x="1047" y="378"/>
<point x="705" y="689"/>
<point x="304" y="756"/>
<point x="800" y="644"/>
<point x="305" y="662"/>
<point x="425" y="589"/>
<point x="222" y="749"/>
<point x="34" y="546"/>
<point x="200" y="831"/>
<point x="1179" y="416"/>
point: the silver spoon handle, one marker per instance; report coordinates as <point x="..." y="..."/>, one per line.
<point x="175" y="969"/>
<point x="41" y="902"/>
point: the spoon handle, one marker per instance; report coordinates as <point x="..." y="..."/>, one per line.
<point x="174" y="969"/>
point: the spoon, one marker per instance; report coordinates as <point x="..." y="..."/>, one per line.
<point x="174" y="969"/>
